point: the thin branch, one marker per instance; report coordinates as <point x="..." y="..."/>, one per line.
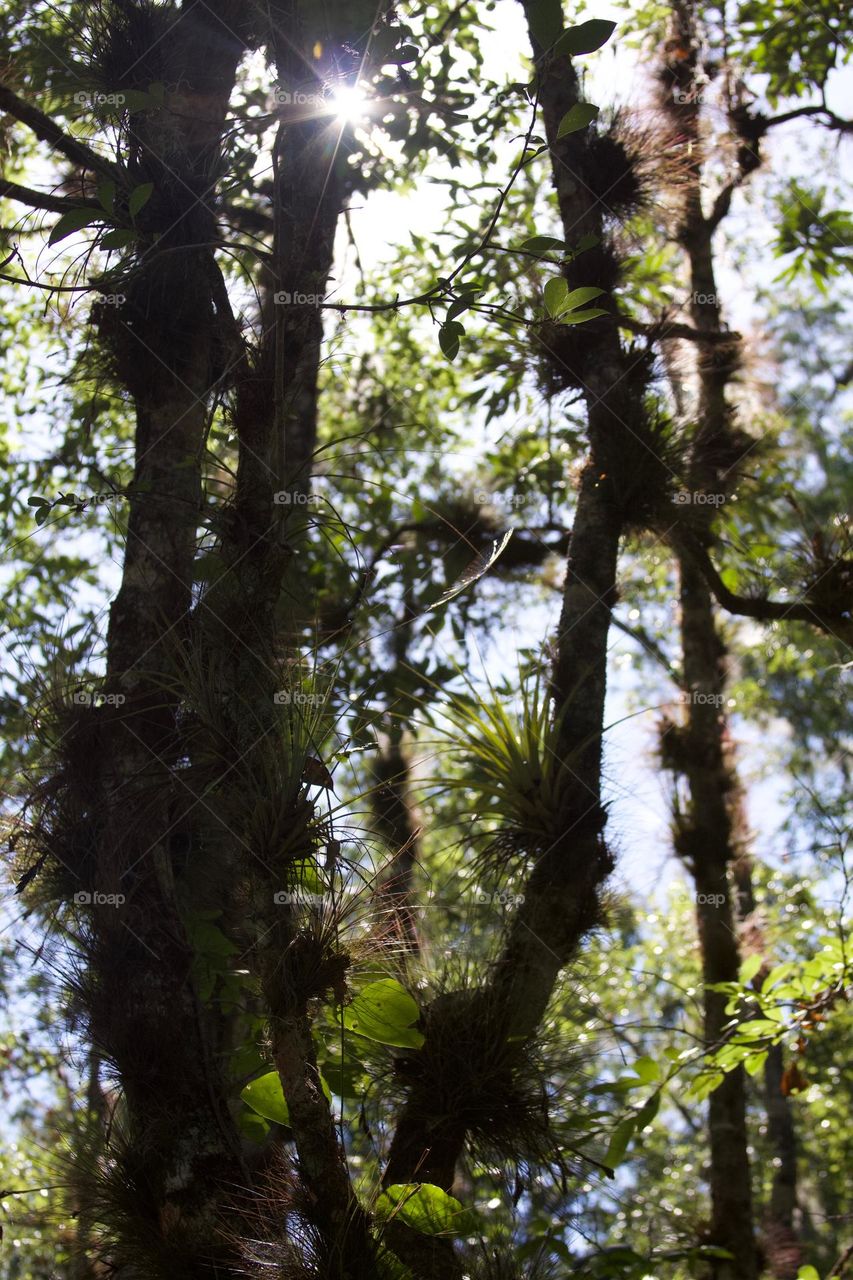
<point x="43" y="199"/>
<point x="832" y="121"/>
<point x="651" y="646"/>
<point x="47" y="130"/>
<point x="839" y="625"/>
<point x="664" y="328"/>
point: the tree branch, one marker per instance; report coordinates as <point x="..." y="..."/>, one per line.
<point x="664" y="328"/>
<point x="47" y="130"/>
<point x="43" y="199"/>
<point x="838" y="625"/>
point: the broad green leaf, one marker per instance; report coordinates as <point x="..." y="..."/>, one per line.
<point x="448" y="338"/>
<point x="776" y="974"/>
<point x="619" y="1140"/>
<point x="555" y="293"/>
<point x="749" y="969"/>
<point x="647" y="1113"/>
<point x="253" y="1126"/>
<point x="423" y="1207"/>
<point x="579" y="297"/>
<point x="107" y="195"/>
<point x="580" y="115"/>
<point x="137" y="100"/>
<point x="753" y="1062"/>
<point x="758" y="1027"/>
<point x="118" y="239"/>
<point x="578" y="317"/>
<point x="585" y="38"/>
<point x="384" y="1011"/>
<point x="265" y="1096"/>
<point x="545" y="18"/>
<point x="139" y="198"/>
<point x="73" y="220"/>
<point x="647" y="1069"/>
<point x="542" y="244"/>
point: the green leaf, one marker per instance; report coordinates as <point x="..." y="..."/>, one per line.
<point x="265" y="1096"/>
<point x="619" y="1140"/>
<point x="73" y="220"/>
<point x="542" y="244"/>
<point x="545" y="22"/>
<point x="578" y="317"/>
<point x="579" y="297"/>
<point x="585" y="38"/>
<point x="753" y="1062"/>
<point x="423" y="1207"/>
<point x="36" y="501"/>
<point x="647" y="1069"/>
<point x="448" y="338"/>
<point x="758" y="1027"/>
<point x="137" y="100"/>
<point x="776" y="974"/>
<point x="807" y="1273"/>
<point x="139" y="198"/>
<point x="580" y="115"/>
<point x="555" y="293"/>
<point x="107" y="195"/>
<point x="647" y="1113"/>
<point x="253" y="1126"/>
<point x="749" y="969"/>
<point x="118" y="239"/>
<point x="384" y="1011"/>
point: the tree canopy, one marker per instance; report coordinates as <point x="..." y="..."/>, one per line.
<point x="427" y="603"/>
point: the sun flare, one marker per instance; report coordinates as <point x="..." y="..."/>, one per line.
<point x="348" y="103"/>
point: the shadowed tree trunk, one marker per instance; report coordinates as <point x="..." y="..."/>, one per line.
<point x="562" y="894"/>
<point x="779" y="1221"/>
<point x="707" y="835"/>
<point x="143" y="1006"/>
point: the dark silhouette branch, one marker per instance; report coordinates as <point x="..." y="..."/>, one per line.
<point x="763" y="609"/>
<point x="43" y="199"/>
<point x="47" y="130"/>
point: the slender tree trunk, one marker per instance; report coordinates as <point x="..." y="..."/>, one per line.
<point x="707" y="843"/>
<point x="562" y="895"/>
<point x="779" y="1222"/>
<point x="707" y="836"/>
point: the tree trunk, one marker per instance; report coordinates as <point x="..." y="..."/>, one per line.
<point x="707" y="836"/>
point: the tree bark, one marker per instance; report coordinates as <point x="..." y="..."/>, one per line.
<point x="562" y="894"/>
<point x="707" y="836"/>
